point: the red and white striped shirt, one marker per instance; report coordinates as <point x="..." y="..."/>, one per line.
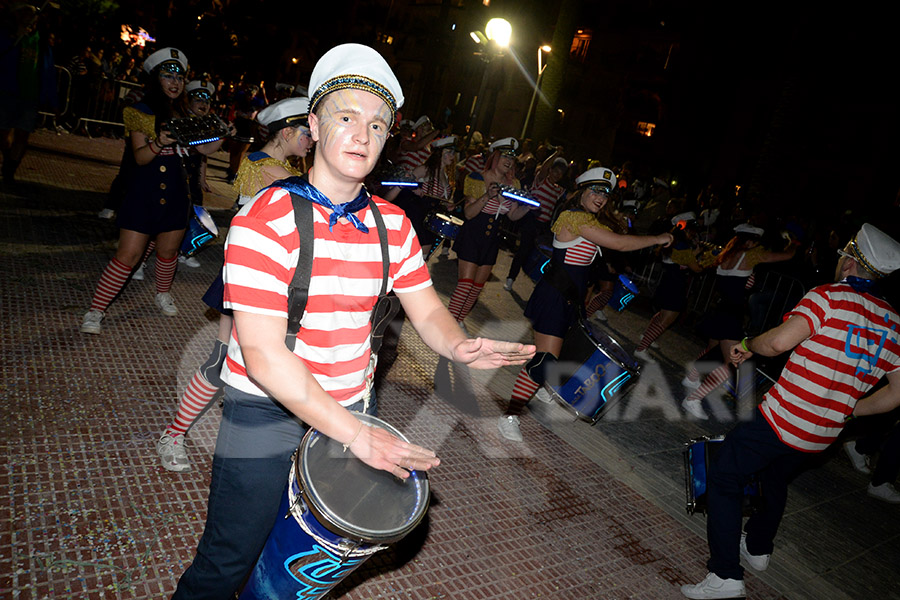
<point x="547" y="193"/>
<point x="410" y="160"/>
<point x="579" y="251"/>
<point x="854" y="343"/>
<point x="474" y="164"/>
<point x="261" y="254"/>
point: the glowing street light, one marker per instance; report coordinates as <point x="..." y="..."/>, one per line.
<point x="500" y="31"/>
<point x="537" y="86"/>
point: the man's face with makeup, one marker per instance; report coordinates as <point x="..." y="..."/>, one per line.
<point x="351" y="127"/>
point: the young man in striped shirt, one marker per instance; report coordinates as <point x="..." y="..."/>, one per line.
<point x="844" y="338"/>
<point x="354" y="99"/>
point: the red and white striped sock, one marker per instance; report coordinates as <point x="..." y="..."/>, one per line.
<point x="150" y="248"/>
<point x="198" y="393"/>
<point x="165" y="273"/>
<point x="523" y="389"/>
<point x="471" y="299"/>
<point x="458" y="298"/>
<point x="111" y="283"/>
<point x="694" y="373"/>
<point x="654" y="329"/>
<point x="719" y="376"/>
<point x="598" y="302"/>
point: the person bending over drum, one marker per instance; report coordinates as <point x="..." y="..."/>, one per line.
<point x="477" y="243"/>
<point x="156" y="200"/>
<point x="724" y="325"/>
<point x="288" y="126"/>
<point x="557" y="300"/>
<point x="678" y="261"/>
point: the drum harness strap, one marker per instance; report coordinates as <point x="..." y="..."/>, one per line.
<point x="386" y="306"/>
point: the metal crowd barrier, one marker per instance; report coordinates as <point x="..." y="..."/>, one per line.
<point x="64" y="89"/>
<point x="105" y="103"/>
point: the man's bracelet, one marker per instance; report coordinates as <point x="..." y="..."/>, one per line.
<point x="744" y="345"/>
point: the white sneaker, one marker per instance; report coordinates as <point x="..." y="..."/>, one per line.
<point x="859" y="461"/>
<point x="694" y="408"/>
<point x="91" y="323"/>
<point x="714" y="586"/>
<point x="509" y="427"/>
<point x="757" y="562"/>
<point x="885" y="492"/>
<point x="508" y="285"/>
<point x="543" y="395"/>
<point x="106" y="213"/>
<point x="166" y="304"/>
<point x="654" y="345"/>
<point x="188" y="261"/>
<point x="689" y="384"/>
<point x="138" y="274"/>
<point x="172" y="455"/>
<point x="599" y="316"/>
<point x="644" y="356"/>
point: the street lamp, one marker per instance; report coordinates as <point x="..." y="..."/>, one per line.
<point x="537" y="86"/>
<point x="496" y="37"/>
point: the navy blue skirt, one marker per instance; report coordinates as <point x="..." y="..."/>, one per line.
<point x="478" y="240"/>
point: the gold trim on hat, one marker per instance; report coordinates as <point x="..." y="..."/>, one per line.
<point x="858" y="255"/>
<point x="354" y="82"/>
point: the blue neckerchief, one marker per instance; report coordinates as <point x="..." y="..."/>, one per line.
<point x="863" y="286"/>
<point x="302" y="187"/>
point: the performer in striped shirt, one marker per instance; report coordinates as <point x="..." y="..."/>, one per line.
<point x="273" y="391"/>
<point x="844" y="338"/>
<point x="536" y="222"/>
<point x="578" y="235"/>
<point x="416" y="150"/>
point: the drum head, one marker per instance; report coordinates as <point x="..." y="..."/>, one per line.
<point x="609" y="346"/>
<point x="355" y="500"/>
<point x="206" y="220"/>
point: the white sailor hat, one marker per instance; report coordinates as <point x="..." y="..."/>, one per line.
<point x="200" y="87"/>
<point x="875" y="250"/>
<point x="281" y="87"/>
<point x="354" y="66"/>
<point x="685" y="216"/>
<point x="507" y="146"/>
<point x="284" y="113"/>
<point x="421" y="121"/>
<point x="597" y="176"/>
<point x="168" y="58"/>
<point x="444" y="142"/>
<point x="749" y="229"/>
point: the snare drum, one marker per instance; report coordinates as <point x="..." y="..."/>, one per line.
<point x="698" y="454"/>
<point x="201" y="231"/>
<point x="446" y="226"/>
<point x="592" y="369"/>
<point x="624" y="292"/>
<point x="338" y="511"/>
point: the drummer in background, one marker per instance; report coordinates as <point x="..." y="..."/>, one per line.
<point x="199" y="97"/>
<point x="157" y="202"/>
<point x="272" y="392"/>
<point x="723" y="326"/>
<point x="843" y="340"/>
<point x="535" y="223"/>
<point x="415" y="150"/>
<point x="679" y="261"/>
<point x="477" y="243"/>
<point x="287" y="122"/>
<point x="579" y="233"/>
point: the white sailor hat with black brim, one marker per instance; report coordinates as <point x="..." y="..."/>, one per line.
<point x="749" y="229"/>
<point x="421" y="121"/>
<point x="199" y="89"/>
<point x="598" y="176"/>
<point x="444" y="142"/>
<point x="289" y="112"/>
<point x="357" y="67"/>
<point x="875" y="250"/>
<point x="506" y="146"/>
<point x="685" y="217"/>
<point x="167" y="59"/>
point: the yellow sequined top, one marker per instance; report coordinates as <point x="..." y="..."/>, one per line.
<point x="251" y="178"/>
<point x="574" y="220"/>
<point x="135" y="120"/>
<point x="683" y="257"/>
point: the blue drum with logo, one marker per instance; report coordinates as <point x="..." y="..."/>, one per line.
<point x="201" y="231"/>
<point x="338" y="511"/>
<point x="698" y="454"/>
<point x="592" y="369"/>
<point x="624" y="292"/>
